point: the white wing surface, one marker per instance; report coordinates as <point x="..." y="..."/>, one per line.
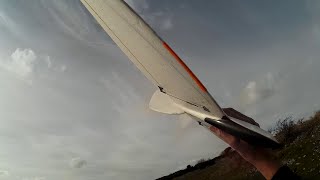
<point x="154" y="58"/>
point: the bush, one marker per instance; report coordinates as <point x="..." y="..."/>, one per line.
<point x="286" y="130"/>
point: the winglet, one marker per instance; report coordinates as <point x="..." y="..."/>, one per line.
<point x="160" y="102"/>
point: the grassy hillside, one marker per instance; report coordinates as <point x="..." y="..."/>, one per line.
<point x="301" y="152"/>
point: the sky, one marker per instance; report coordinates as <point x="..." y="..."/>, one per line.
<point x="73" y="107"/>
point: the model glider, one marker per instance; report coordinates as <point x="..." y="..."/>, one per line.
<point x="179" y="90"/>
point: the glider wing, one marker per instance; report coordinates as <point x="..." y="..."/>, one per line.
<point x="179" y="89"/>
<point x="154" y="57"/>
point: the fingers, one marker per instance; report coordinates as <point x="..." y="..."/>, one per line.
<point x="229" y="139"/>
<point x="243" y="148"/>
<point x="215" y="130"/>
<point x="254" y="155"/>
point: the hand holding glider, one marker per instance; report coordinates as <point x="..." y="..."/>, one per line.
<point x="261" y="158"/>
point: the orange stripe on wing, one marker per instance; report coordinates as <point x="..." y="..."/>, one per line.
<point x="194" y="77"/>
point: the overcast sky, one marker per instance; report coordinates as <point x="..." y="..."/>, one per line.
<point x="73" y="107"/>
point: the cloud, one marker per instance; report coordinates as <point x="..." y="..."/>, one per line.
<point x="48" y="61"/>
<point x="289" y="91"/>
<point x="25" y="63"/>
<point x="258" y="91"/>
<point x="21" y="62"/>
<point x="4" y="173"/>
<point x="63" y="68"/>
<point x="167" y="24"/>
<point x="78" y="163"/>
<point x="34" y="178"/>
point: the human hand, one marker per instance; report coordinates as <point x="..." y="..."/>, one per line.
<point x="262" y="158"/>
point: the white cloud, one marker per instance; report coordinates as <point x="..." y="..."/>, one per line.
<point x="21" y="62"/>
<point x="48" y="61"/>
<point x="257" y="91"/>
<point x="25" y="63"/>
<point x="34" y="178"/>
<point x="63" y="68"/>
<point x="251" y="92"/>
<point x="78" y="163"/>
<point x="4" y="173"/>
<point x="167" y="24"/>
